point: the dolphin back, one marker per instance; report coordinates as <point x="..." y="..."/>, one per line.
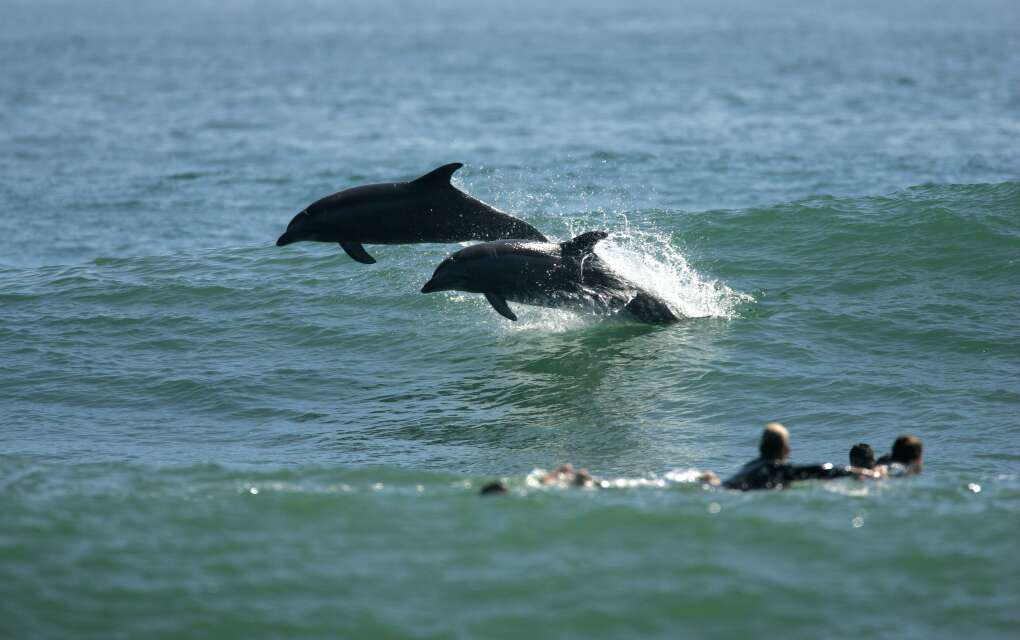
<point x="466" y="217"/>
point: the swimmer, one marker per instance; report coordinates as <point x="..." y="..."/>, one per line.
<point x="565" y="474"/>
<point x="771" y="471"/>
<point x="906" y="458"/>
<point x="494" y="488"/>
<point x="862" y="455"/>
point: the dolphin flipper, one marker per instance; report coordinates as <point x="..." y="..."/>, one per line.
<point x="357" y="252"/>
<point x="498" y="303"/>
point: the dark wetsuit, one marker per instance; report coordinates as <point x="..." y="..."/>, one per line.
<point x="776" y="474"/>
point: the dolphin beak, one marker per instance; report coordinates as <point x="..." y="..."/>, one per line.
<point x="283" y="240"/>
<point x="430" y="286"/>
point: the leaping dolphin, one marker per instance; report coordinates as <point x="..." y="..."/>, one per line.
<point x="567" y="275"/>
<point x="428" y="209"/>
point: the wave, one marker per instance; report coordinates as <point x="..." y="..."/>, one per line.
<point x="38" y="478"/>
<point x="929" y="227"/>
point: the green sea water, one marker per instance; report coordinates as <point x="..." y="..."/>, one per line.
<point x="205" y="435"/>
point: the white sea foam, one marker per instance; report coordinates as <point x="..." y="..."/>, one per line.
<point x="652" y="261"/>
<point x="538" y="479"/>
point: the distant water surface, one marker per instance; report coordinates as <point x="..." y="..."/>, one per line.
<point x="204" y="435"/>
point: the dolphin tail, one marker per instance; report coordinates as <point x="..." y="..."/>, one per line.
<point x="524" y="231"/>
<point x="506" y="227"/>
<point x="649" y="308"/>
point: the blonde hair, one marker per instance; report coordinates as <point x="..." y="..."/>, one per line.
<point x="775" y="441"/>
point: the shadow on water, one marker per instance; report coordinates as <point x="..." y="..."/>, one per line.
<point x="569" y="367"/>
<point x="586" y="393"/>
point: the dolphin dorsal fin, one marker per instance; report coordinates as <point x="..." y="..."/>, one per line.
<point x="583" y="244"/>
<point x="439" y="177"/>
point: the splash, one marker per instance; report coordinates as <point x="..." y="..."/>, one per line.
<point x="549" y="320"/>
<point x="541" y="479"/>
<point x="650" y="260"/>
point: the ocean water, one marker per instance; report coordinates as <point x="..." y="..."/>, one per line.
<point x="205" y="435"/>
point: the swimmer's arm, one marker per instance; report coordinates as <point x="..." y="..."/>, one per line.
<point x="819" y="472"/>
<point x="862" y="473"/>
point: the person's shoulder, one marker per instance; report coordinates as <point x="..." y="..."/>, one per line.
<point x="752" y="475"/>
<point x="757" y="463"/>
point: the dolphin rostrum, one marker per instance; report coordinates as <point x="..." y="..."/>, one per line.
<point x="567" y="275"/>
<point x="428" y="209"/>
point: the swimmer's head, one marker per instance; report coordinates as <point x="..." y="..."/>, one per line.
<point x="709" y="478"/>
<point x="861" y="455"/>
<point x="495" y="488"/>
<point x="907" y="450"/>
<point x="775" y="442"/>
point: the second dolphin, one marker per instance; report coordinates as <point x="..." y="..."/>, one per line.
<point x="567" y="275"/>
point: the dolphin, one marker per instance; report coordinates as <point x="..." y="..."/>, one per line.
<point x="567" y="275"/>
<point x="428" y="209"/>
